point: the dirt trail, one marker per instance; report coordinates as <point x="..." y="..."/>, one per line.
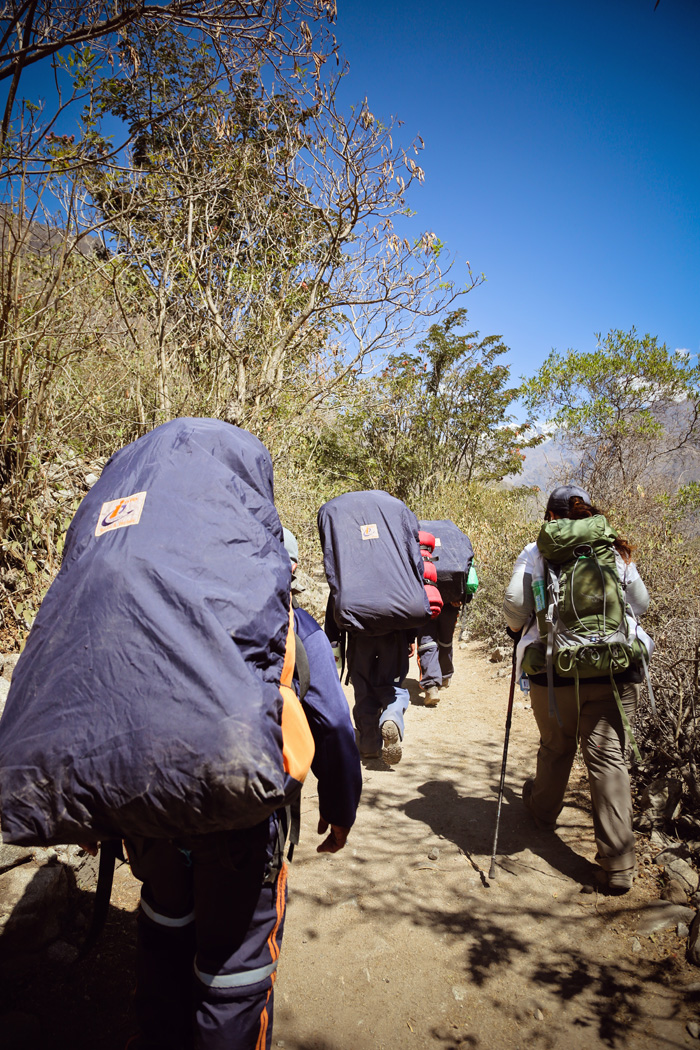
<point x="401" y="940"/>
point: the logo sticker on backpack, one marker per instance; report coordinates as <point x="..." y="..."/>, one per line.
<point x="369" y="532"/>
<point x="118" y="513"/>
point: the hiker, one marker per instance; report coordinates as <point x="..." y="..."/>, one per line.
<point x="377" y="667"/>
<point x="434" y="645"/>
<point x="451" y="551"/>
<point x="234" y="1012"/>
<point x="154" y="704"/>
<point x="378" y="597"/>
<point x="593" y="710"/>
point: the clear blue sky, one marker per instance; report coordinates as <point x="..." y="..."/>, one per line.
<point x="562" y="156"/>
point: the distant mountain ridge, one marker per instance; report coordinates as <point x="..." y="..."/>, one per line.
<point x="544" y="466"/>
<point x="551" y="463"/>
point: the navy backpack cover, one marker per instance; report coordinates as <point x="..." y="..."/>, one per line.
<point x="453" y="555"/>
<point x="147" y="700"/>
<point x="373" y="562"/>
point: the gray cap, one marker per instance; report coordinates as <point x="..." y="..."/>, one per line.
<point x="291" y="545"/>
<point x="558" y="501"/>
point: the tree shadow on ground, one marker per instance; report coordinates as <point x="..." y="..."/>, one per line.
<point x="470" y="822"/>
<point x="49" y="998"/>
<point x="530" y="923"/>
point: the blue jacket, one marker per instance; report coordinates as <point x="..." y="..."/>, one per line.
<point x="336" y="763"/>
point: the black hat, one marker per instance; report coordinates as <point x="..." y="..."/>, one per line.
<point x="558" y="501"/>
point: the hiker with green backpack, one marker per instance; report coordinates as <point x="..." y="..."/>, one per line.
<point x="573" y="603"/>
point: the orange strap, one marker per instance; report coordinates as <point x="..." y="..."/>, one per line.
<point x="297" y="741"/>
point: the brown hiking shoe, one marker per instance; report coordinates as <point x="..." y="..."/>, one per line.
<point x="542" y="825"/>
<point x="432" y="696"/>
<point x="621" y="881"/>
<point x="391" y="752"/>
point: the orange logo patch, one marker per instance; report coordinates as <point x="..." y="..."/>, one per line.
<point x="118" y="513"/>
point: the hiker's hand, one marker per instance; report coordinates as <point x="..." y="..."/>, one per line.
<point x="90" y="847"/>
<point x="336" y="838"/>
<point x="411" y="649"/>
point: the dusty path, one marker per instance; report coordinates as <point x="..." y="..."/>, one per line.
<point x="401" y="940"/>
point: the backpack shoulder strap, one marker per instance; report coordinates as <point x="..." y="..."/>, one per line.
<point x="551" y="618"/>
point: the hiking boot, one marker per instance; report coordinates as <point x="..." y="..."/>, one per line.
<point x="445" y="684"/>
<point x="367" y="755"/>
<point x="391" y="752"/>
<point x="542" y="825"/>
<point x="621" y="881"/>
<point x="432" y="696"/>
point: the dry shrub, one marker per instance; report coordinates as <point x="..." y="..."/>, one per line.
<point x="669" y="738"/>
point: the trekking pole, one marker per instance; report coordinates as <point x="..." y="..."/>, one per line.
<point x="509" y="716"/>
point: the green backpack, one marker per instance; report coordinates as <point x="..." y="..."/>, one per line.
<point x="581" y="608"/>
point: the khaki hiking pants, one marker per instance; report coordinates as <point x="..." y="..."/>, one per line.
<point x="603" y="743"/>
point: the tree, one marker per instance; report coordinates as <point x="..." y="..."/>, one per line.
<point x="241" y="30"/>
<point x="433" y="416"/>
<point x="71" y="344"/>
<point x="43" y="170"/>
<point x="264" y="226"/>
<point x="627" y="410"/>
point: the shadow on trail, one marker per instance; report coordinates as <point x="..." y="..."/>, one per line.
<point x="414" y="691"/>
<point x="47" y="999"/>
<point x="470" y="823"/>
<point x="529" y="925"/>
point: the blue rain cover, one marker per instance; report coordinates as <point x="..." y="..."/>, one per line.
<point x="373" y="562"/>
<point x="146" y="700"/>
<point x="453" y="555"/>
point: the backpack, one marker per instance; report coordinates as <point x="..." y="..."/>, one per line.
<point x="453" y="557"/>
<point x="154" y="694"/>
<point x="373" y="563"/>
<point x="586" y="628"/>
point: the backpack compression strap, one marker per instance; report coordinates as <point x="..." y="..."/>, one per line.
<point x="110" y="850"/>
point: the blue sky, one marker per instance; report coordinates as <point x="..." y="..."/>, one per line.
<point x="562" y="156"/>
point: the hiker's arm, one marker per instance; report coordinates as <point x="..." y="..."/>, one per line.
<point x="336" y="762"/>
<point x="637" y="596"/>
<point x="518" y="602"/>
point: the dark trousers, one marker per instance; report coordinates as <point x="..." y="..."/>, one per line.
<point x="378" y="665"/>
<point x="435" y="647"/>
<point x="209" y="935"/>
